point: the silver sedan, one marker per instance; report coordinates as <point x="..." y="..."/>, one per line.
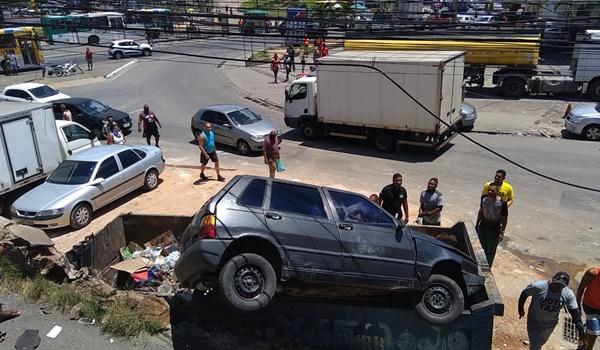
<point x="86" y="182"/>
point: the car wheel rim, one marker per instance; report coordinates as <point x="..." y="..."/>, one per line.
<point x="438" y="299"/>
<point x="593" y="133"/>
<point x="249" y="282"/>
<point x="243" y="147"/>
<point x="82" y="215"/>
<point x="151" y="179"/>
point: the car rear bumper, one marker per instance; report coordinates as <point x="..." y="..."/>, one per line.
<point x="203" y="256"/>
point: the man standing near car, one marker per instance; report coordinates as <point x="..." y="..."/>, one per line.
<point x="151" y="124"/>
<point x="271" y="151"/>
<point x="547" y="299"/>
<point x="491" y="222"/>
<point x="107" y="130"/>
<point x="432" y="202"/>
<point x="393" y="198"/>
<point x="66" y="114"/>
<point x="588" y="298"/>
<point x="208" y="150"/>
<point x="505" y="190"/>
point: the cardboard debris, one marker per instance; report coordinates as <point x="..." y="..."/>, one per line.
<point x="163" y="240"/>
<point x="132" y="265"/>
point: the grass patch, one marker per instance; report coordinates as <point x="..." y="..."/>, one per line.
<point x="118" y="317"/>
<point x="260" y="56"/>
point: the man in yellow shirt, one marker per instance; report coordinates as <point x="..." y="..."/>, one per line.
<point x="505" y="190"/>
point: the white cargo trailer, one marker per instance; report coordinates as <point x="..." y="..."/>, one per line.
<point x="347" y="98"/>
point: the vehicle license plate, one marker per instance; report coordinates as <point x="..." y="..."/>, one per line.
<point x="126" y="125"/>
<point x="25" y="221"/>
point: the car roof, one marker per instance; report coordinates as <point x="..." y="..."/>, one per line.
<point x="99" y="153"/>
<point x="73" y="100"/>
<point x="121" y="40"/>
<point x="224" y="108"/>
<point x="24" y="86"/>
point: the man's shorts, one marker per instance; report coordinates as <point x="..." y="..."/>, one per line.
<point x="212" y="155"/>
<point x="592" y="324"/>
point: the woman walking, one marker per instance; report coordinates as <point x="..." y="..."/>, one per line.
<point x="275" y="66"/>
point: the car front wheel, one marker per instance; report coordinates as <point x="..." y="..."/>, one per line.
<point x="243" y="147"/>
<point x="247" y="282"/>
<point x="118" y="55"/>
<point x="442" y="300"/>
<point x="81" y="215"/>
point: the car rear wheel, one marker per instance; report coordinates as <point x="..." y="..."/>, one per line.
<point x="151" y="180"/>
<point x="442" y="300"/>
<point x="247" y="282"/>
<point x="591" y="132"/>
<point x="81" y="215"/>
<point x="243" y="147"/>
<point x="118" y="55"/>
<point x="146" y="52"/>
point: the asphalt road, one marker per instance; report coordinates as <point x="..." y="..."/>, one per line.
<point x="547" y="219"/>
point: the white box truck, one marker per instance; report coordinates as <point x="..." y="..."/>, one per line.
<point x="347" y="100"/>
<point x="32" y="145"/>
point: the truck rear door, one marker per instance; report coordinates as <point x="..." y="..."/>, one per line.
<point x="22" y="150"/>
<point x="452" y="79"/>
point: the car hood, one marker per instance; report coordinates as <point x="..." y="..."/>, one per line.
<point x="260" y="128"/>
<point x="117" y="115"/>
<point x="587" y="110"/>
<point x="44" y="196"/>
<point x="425" y="238"/>
<point x="59" y="96"/>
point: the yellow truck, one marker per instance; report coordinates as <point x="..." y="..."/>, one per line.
<point x="514" y="59"/>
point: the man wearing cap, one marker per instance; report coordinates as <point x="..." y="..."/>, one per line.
<point x="547" y="299"/>
<point x="588" y="297"/>
<point x="271" y="151"/>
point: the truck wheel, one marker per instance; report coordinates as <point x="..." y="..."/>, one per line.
<point x="81" y="215"/>
<point x="310" y="131"/>
<point x="384" y="142"/>
<point x="442" y="300"/>
<point x="593" y="90"/>
<point x="591" y="132"/>
<point x="513" y="87"/>
<point x="247" y="282"/>
<point x="93" y="40"/>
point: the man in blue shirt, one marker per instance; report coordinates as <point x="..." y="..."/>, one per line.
<point x="208" y="150"/>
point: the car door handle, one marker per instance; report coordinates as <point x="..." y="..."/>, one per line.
<point x="273" y="216"/>
<point x="345" y="227"/>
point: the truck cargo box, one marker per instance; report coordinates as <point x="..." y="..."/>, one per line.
<point x="361" y="96"/>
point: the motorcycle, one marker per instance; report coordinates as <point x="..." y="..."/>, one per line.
<point x="71" y="68"/>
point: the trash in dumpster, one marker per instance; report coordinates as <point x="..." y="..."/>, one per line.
<point x="163" y="240"/>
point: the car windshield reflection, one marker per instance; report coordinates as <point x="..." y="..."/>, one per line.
<point x="72" y="172"/>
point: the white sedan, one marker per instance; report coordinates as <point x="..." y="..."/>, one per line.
<point x="32" y="92"/>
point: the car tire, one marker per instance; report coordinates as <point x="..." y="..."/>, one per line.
<point x="151" y="180"/>
<point x="146" y="52"/>
<point x="93" y="40"/>
<point x="247" y="282"/>
<point x="442" y="300"/>
<point x="118" y="55"/>
<point x="591" y="132"/>
<point x="384" y="142"/>
<point x="310" y="130"/>
<point x="81" y="215"/>
<point x="513" y="87"/>
<point x="243" y="147"/>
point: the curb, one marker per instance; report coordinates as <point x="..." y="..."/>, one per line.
<point x="126" y="65"/>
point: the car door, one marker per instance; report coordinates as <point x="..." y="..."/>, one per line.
<point x="76" y="137"/>
<point x="80" y="117"/>
<point x="107" y="190"/>
<point x="135" y="48"/>
<point x="133" y="172"/>
<point x="373" y="252"/>
<point x="296" y="104"/>
<point x="224" y="127"/>
<point x="298" y="218"/>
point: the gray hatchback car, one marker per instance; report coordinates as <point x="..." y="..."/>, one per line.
<point x="235" y="126"/>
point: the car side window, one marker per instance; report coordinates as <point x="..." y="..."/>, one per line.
<point x="254" y="194"/>
<point x="208" y="116"/>
<point x="140" y="153"/>
<point x="75" y="132"/>
<point x="128" y="158"/>
<point x="357" y="209"/>
<point x="108" y="168"/>
<point x="18" y="94"/>
<point x="298" y="92"/>
<point x="221" y="119"/>
<point x="297" y="199"/>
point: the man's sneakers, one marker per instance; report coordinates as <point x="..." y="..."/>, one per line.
<point x="203" y="177"/>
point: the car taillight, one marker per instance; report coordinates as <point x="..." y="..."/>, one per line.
<point x="207" y="228"/>
<point x="568" y="111"/>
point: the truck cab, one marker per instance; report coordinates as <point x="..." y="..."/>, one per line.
<point x="300" y="102"/>
<point x="74" y="138"/>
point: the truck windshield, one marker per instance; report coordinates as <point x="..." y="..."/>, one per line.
<point x="71" y="172"/>
<point x="43" y="91"/>
<point x="244" y="117"/>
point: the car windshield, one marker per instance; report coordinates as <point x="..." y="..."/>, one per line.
<point x="244" y="117"/>
<point x="93" y="107"/>
<point x="72" y="172"/>
<point x="483" y="19"/>
<point x="43" y="91"/>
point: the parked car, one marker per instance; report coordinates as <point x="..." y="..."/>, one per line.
<point x="256" y="234"/>
<point x="87" y="181"/>
<point x="465" y="18"/>
<point x="92" y="114"/>
<point x="584" y="121"/>
<point x="233" y="125"/>
<point x="33" y="92"/>
<point x="469" y="115"/>
<point x="126" y="47"/>
<point x="74" y="137"/>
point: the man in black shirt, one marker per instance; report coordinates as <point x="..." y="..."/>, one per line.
<point x="393" y="198"/>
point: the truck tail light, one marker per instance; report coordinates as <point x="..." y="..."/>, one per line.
<point x="207" y="228"/>
<point x="568" y="111"/>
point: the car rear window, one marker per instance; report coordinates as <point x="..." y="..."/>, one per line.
<point x="297" y="199"/>
<point x="254" y="194"/>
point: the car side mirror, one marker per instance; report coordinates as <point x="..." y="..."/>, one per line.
<point x="97" y="181"/>
<point x="227" y="126"/>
